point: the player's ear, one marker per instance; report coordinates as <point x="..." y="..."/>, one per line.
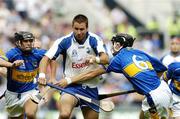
<point x="18" y="43"/>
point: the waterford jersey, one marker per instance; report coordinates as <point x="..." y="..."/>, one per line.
<point x="20" y="79"/>
<point x="169" y="58"/>
<point x="75" y="54"/>
<point x="173" y="73"/>
<point x="139" y="68"/>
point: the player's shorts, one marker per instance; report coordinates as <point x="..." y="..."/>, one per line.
<point x="161" y="96"/>
<point x="85" y="91"/>
<point x="175" y="106"/>
<point x="15" y="102"/>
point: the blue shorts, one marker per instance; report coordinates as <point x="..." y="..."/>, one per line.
<point x="85" y="91"/>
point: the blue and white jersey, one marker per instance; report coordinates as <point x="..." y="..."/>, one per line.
<point x="173" y="74"/>
<point x="20" y="79"/>
<point x="169" y="58"/>
<point x="75" y="54"/>
<point x="139" y="68"/>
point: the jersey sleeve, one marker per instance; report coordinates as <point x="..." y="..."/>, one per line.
<point x="41" y="52"/>
<point x="100" y="45"/>
<point x="10" y="55"/>
<point x="174" y="71"/>
<point x="96" y="43"/>
<point x="167" y="75"/>
<point x="56" y="49"/>
<point x="157" y="64"/>
<point x="114" y="66"/>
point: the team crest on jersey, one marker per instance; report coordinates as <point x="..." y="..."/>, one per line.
<point x="74" y="53"/>
<point x="88" y="50"/>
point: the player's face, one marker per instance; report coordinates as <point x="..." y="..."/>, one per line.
<point x="79" y="30"/>
<point x="175" y="45"/>
<point x="27" y="45"/>
<point x="116" y="46"/>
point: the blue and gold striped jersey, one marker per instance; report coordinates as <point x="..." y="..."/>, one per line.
<point x="173" y="74"/>
<point x="139" y="68"/>
<point x="20" y="79"/>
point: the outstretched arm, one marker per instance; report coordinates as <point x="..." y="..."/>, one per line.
<point x="88" y="75"/>
<point x="101" y="59"/>
<point x="81" y="77"/>
<point x="4" y="63"/>
<point x="104" y="59"/>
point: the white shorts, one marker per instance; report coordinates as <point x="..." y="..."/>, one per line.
<point x="14" y="105"/>
<point x="162" y="97"/>
<point x="175" y="106"/>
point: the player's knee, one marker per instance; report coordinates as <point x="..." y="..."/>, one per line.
<point x="30" y="114"/>
<point x="65" y="115"/>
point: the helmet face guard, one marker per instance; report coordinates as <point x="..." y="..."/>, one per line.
<point x="21" y="38"/>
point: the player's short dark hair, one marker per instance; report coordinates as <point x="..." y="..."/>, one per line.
<point x="175" y="37"/>
<point x="80" y="18"/>
<point x="124" y="39"/>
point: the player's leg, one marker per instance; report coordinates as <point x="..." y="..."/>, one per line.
<point x="149" y="109"/>
<point x="30" y="109"/>
<point x="66" y="105"/>
<point x="89" y="113"/>
<point x="14" y="106"/>
<point x="175" y="107"/>
<point x="154" y="113"/>
<point x="89" y="110"/>
<point x="141" y="115"/>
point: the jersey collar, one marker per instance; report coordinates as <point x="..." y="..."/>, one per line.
<point x="81" y="43"/>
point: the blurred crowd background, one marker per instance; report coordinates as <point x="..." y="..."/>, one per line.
<point x="152" y="22"/>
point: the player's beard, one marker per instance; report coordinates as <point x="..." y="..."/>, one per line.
<point x="175" y="53"/>
<point x="26" y="50"/>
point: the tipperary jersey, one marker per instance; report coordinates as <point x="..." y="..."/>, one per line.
<point x="173" y="73"/>
<point x="169" y="58"/>
<point x="20" y="79"/>
<point x="75" y="54"/>
<point x="139" y="68"/>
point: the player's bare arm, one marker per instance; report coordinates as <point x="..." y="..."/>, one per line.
<point x="81" y="77"/>
<point x="16" y="63"/>
<point x="53" y="71"/>
<point x="104" y="59"/>
<point x="101" y="59"/>
<point x="42" y="70"/>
